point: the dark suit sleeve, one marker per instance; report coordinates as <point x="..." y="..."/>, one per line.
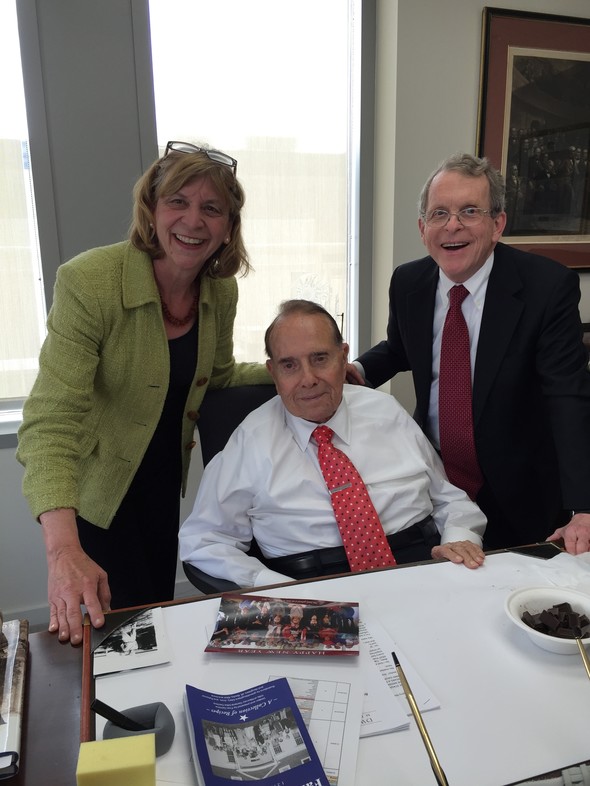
<point x="562" y="365"/>
<point x="384" y="360"/>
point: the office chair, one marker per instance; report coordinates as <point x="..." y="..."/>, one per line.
<point x="220" y="414"/>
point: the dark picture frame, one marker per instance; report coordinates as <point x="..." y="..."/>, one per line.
<point x="534" y="125"/>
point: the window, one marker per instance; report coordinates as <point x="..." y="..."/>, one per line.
<point x="22" y="305"/>
<point x="272" y="85"/>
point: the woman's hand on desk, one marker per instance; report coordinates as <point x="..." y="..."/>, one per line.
<point x="73" y="578"/>
<point x="460" y="551"/>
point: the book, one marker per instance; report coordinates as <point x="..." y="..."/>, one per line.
<point x="14" y="646"/>
<point x="254" y="735"/>
<point x="285" y="626"/>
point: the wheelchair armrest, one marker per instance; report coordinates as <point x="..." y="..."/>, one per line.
<point x="210" y="585"/>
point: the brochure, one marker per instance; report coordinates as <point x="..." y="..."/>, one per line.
<point x="254" y="735"/>
<point x="284" y="626"/>
<point x="381" y="645"/>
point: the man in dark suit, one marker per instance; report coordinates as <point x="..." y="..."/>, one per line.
<point x="531" y="384"/>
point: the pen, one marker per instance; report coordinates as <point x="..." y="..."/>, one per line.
<point x="434" y="762"/>
<point x="584" y="655"/>
<point x="115" y="717"/>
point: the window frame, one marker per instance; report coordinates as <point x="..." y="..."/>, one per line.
<point x="89" y="143"/>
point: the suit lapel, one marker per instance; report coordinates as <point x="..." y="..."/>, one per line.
<point x="420" y="313"/>
<point x="501" y="314"/>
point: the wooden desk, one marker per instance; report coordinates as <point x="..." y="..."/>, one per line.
<point x="51" y="730"/>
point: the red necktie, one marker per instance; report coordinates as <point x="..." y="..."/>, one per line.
<point x="455" y="409"/>
<point x="362" y="534"/>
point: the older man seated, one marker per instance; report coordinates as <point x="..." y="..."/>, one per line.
<point x="292" y="487"/>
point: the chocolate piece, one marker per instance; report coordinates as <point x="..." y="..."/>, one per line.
<point x="550" y="620"/>
<point x="528" y="618"/>
<point x="571" y="620"/>
<point x="560" y="620"/>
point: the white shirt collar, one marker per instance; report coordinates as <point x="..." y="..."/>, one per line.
<point x="303" y="429"/>
<point x="476" y="285"/>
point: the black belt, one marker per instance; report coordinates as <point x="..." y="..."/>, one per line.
<point x="333" y="560"/>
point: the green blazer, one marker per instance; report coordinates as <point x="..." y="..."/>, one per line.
<point x="103" y="379"/>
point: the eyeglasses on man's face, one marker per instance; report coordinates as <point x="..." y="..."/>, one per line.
<point x="469" y="216"/>
<point x="214" y="155"/>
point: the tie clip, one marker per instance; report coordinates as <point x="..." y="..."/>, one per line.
<point x="340" y="488"/>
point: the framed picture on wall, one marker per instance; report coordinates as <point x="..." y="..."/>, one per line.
<point x="534" y="125"/>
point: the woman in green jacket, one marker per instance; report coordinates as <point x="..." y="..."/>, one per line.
<point x="137" y="332"/>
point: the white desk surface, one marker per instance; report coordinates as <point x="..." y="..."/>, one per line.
<point x="509" y="710"/>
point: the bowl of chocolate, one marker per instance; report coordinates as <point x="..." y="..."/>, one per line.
<point x="552" y="617"/>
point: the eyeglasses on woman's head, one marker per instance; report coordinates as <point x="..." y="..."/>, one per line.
<point x="214" y="155"/>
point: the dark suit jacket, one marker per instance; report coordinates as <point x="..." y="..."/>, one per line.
<point x="531" y="389"/>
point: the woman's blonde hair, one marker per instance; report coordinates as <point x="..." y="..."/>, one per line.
<point x="168" y="175"/>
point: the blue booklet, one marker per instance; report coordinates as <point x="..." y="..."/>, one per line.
<point x="253" y="735"/>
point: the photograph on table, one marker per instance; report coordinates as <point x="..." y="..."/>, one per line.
<point x="259" y="624"/>
<point x="130" y="641"/>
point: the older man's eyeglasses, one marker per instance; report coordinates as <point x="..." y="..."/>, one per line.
<point x="214" y="155"/>
<point x="469" y="216"/>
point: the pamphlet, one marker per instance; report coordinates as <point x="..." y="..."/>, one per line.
<point x="284" y="626"/>
<point x="382" y="712"/>
<point x="327" y="709"/>
<point x="381" y="645"/>
<point x="254" y="735"/>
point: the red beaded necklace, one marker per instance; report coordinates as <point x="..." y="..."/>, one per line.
<point x="180" y="321"/>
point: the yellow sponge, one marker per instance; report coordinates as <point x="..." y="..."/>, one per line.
<point x="125" y="761"/>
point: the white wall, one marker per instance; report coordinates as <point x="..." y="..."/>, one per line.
<point x="23" y="574"/>
<point x="427" y="104"/>
<point x="427" y="83"/>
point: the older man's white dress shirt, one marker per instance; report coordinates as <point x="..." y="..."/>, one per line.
<point x="267" y="484"/>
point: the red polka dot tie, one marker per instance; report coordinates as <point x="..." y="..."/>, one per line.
<point x="455" y="409"/>
<point x="362" y="534"/>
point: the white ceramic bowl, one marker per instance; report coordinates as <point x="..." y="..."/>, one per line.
<point x="536" y="599"/>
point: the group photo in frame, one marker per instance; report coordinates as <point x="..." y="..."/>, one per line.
<point x="534" y="125"/>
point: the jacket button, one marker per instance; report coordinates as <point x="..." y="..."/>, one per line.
<point x="202" y="381"/>
<point x="190" y="445"/>
<point x="192" y="415"/>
